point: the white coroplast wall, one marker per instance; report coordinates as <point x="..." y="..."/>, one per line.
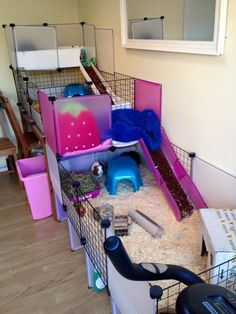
<point x="199" y="93"/>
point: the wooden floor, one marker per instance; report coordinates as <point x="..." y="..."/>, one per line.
<point x="38" y="272"/>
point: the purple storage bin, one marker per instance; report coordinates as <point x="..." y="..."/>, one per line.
<point x="32" y="171"/>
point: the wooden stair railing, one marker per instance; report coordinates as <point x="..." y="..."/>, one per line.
<point x="25" y="140"/>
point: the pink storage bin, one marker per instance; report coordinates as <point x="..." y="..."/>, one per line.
<point x="32" y="171"/>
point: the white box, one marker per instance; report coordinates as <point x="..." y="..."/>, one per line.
<point x="218" y="229"/>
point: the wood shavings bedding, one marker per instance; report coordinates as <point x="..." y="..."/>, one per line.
<point x="180" y="243"/>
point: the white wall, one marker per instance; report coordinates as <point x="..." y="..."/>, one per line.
<point x="199" y="99"/>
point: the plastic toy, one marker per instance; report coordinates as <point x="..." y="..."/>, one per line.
<point x="74" y="90"/>
<point x="82" y="55"/>
<point x="121" y="225"/>
<point x="80" y="209"/>
<point x="89" y="63"/>
<point x="98" y="284"/>
<point x="147" y="223"/>
<point x="134" y="155"/>
<point x="122" y="168"/>
<point x="105" y="211"/>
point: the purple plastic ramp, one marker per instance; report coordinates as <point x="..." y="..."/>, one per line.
<point x="160" y="181"/>
<point x="181" y="174"/>
<point x="47" y="113"/>
<point x="148" y="95"/>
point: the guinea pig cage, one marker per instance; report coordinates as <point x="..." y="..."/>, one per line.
<point x="71" y="101"/>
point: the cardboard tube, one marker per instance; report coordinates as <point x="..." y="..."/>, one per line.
<point x="147" y="223"/>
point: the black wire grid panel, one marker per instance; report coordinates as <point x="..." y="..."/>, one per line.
<point x="53" y="82"/>
<point x="87" y="224"/>
<point x="223" y="274"/>
<point x="185" y="158"/>
<point x="122" y="86"/>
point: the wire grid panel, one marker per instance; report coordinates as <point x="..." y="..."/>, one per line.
<point x="29" y="98"/>
<point x="223" y="274"/>
<point x="72" y="214"/>
<point x="54" y="82"/>
<point x="62" y="77"/>
<point x="123" y="88"/>
<point x="184" y="157"/>
<point x="87" y="224"/>
<point x="94" y="238"/>
<point x="19" y="83"/>
<point x="21" y="90"/>
<point x="24" y="101"/>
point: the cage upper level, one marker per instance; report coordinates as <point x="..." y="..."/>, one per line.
<point x="47" y="47"/>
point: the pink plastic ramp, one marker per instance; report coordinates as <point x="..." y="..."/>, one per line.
<point x="160" y="181"/>
<point x="180" y="191"/>
<point x="181" y="174"/>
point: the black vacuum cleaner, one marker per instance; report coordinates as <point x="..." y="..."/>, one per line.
<point x="197" y="298"/>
